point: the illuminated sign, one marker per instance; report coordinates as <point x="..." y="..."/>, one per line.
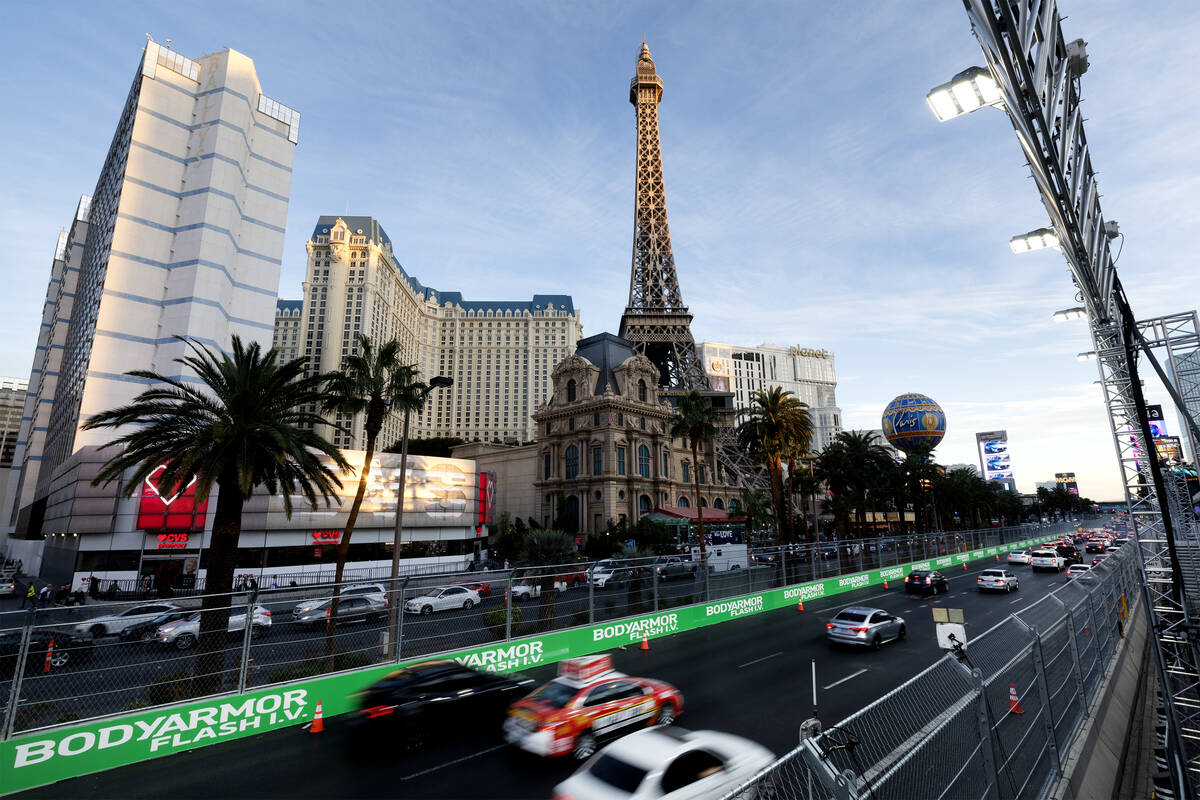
<point x="994" y="460"/>
<point x="327" y="537"/>
<point x="1067" y="481"/>
<point x="160" y="509"/>
<point x="172" y="541"/>
<point x="486" y="500"/>
<point x="808" y="352"/>
<point x="1169" y="448"/>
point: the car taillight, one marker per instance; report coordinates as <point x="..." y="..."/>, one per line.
<point x="979" y="580"/>
<point x="906" y="580"/>
<point x="378" y="711"/>
<point x="859" y="630"/>
<point x="828" y="626"/>
<point x="266" y="613"/>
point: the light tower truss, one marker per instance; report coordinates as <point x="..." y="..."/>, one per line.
<point x="1037" y="72"/>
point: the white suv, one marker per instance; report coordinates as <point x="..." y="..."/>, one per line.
<point x="183" y="633"/>
<point x="1047" y="559"/>
<point x="1000" y="580"/>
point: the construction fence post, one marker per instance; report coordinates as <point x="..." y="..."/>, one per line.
<point x="14" y="696"/>
<point x="508" y="607"/>
<point x="398" y="634"/>
<point x="592" y="596"/>
<point x="247" y="638"/>
<point x="654" y="584"/>
<point x="987" y="735"/>
<point x="1043" y="687"/>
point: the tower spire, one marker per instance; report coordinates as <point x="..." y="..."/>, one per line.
<point x="656" y="320"/>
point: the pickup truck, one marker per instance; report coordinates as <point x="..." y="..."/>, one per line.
<point x="669" y="567"/>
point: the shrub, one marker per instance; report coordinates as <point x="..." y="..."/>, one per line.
<point x="495" y="622"/>
<point x="171" y="688"/>
<point x="29" y="716"/>
<point x="314" y="664"/>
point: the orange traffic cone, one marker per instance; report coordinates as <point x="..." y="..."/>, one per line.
<point x="1086" y="631"/>
<point x="964" y="566"/>
<point x="318" y="723"/>
<point x="645" y="642"/>
<point x="49" y="654"/>
<point x="997" y="558"/>
<point x="885" y="583"/>
<point x="1014" y="705"/>
<point x="800" y="606"/>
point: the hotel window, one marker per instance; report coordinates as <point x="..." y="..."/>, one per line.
<point x="572" y="462"/>
<point x="597" y="461"/>
<point x="620" y="460"/>
<point x="644" y="461"/>
<point x="547" y="468"/>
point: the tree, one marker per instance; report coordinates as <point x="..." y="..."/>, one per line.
<point x="371" y="382"/>
<point x="756" y="508"/>
<point x="542" y="551"/>
<point x="696" y="422"/>
<point x="803" y="481"/>
<point x="778" y="428"/>
<point x="853" y="466"/>
<point x="247" y="425"/>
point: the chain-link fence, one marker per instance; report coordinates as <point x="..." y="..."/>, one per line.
<point x="993" y="721"/>
<point x="61" y="665"/>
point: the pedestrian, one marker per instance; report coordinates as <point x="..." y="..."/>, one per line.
<point x="30" y="596"/>
<point x="274" y="583"/>
<point x="44" y="596"/>
<point x="113" y="590"/>
<point x="506" y="564"/>
<point x="94" y="587"/>
<point x="20" y="563"/>
<point x="251" y="584"/>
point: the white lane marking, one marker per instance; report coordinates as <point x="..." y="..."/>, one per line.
<point x="843" y="680"/>
<point x="452" y="763"/>
<point x="764" y="658"/>
<point x="1018" y="600"/>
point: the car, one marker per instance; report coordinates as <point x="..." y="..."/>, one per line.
<point x="1070" y="554"/>
<point x="1111" y="549"/>
<point x="184" y="633"/>
<point x="68" y="648"/>
<point x="1047" y="559"/>
<point x="924" y="581"/>
<point x="359" y="608"/>
<point x="1099" y="558"/>
<point x="1075" y="570"/>
<point x="668" y="567"/>
<point x="1000" y="580"/>
<point x="478" y="587"/>
<point x="110" y="624"/>
<point x="587" y="702"/>
<point x="866" y="627"/>
<point x="432" y="700"/>
<point x="8" y="586"/>
<point x="995" y="447"/>
<point x="1094" y="546"/>
<point x="602" y="571"/>
<point x="1019" y="557"/>
<point x="531" y="588"/>
<point x="619" y="576"/>
<point x="667" y="764"/>
<point x="442" y="598"/>
<point x="145" y="631"/>
<point x="376" y="591"/>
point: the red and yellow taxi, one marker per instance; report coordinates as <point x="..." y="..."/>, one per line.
<point x="587" y="702"/>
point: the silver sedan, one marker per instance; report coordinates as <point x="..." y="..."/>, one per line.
<point x="867" y="627"/>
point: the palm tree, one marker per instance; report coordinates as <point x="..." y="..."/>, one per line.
<point x="851" y="466"/>
<point x="542" y="550"/>
<point x="696" y="421"/>
<point x="778" y="428"/>
<point x="371" y="382"/>
<point x="756" y="508"/>
<point x="247" y="425"/>
<point x="803" y="481"/>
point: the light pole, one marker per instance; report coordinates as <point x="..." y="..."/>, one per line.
<point x="439" y="382"/>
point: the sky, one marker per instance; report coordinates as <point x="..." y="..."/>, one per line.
<point x="813" y="198"/>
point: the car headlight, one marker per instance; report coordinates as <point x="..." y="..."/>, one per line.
<point x="167" y="629"/>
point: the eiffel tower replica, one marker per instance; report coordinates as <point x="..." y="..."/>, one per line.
<point x="656" y="321"/>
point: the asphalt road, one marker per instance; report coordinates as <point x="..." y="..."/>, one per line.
<point x="748" y="677"/>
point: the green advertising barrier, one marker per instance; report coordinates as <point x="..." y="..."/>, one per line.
<point x="53" y="755"/>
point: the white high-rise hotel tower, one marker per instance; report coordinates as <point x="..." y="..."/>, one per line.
<point x="182" y="236"/>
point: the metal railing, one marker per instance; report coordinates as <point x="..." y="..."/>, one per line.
<point x="995" y="721"/>
<point x="116" y="657"/>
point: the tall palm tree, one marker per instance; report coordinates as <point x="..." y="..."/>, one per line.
<point x="778" y="428"/>
<point x="756" y="508"/>
<point x="696" y="421"/>
<point x="542" y="550"/>
<point x="853" y="465"/>
<point x="803" y="481"/>
<point x="247" y="425"/>
<point x="372" y="382"/>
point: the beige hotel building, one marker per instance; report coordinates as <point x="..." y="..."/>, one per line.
<point x="499" y="353"/>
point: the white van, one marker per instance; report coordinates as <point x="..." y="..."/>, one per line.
<point x="724" y="557"/>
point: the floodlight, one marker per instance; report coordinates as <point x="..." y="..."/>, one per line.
<point x="1090" y="355"/>
<point x="969" y="90"/>
<point x="1034" y="240"/>
<point x="1078" y="312"/>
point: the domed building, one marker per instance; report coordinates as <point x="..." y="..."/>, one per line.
<point x="603" y="442"/>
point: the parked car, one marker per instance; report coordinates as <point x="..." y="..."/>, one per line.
<point x="359" y="608"/>
<point x="432" y="700"/>
<point x="866" y="627"/>
<point x="442" y="598"/>
<point x="110" y="624"/>
<point x="926" y="582"/>
<point x="667" y="764"/>
<point x="1000" y="580"/>
<point x="184" y="633"/>
<point x="1019" y="557"/>
<point x="531" y="588"/>
<point x="1047" y="559"/>
<point x="145" y="631"/>
<point x="68" y="648"/>
<point x="669" y="567"/>
<point x="375" y="591"/>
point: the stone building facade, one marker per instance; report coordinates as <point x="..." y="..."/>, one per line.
<point x="603" y="441"/>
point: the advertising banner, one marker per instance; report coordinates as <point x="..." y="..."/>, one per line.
<point x="45" y="757"/>
<point x="995" y="463"/>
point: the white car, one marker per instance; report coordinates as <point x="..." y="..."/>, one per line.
<point x="442" y="598"/>
<point x="1019" y="557"/>
<point x="1000" y="580"/>
<point x="183" y="633"/>
<point x="531" y="588"/>
<point x="112" y="624"/>
<point x="374" y="591"/>
<point x="1047" y="559"/>
<point x="1076" y="569"/>
<point x="601" y="572"/>
<point x="667" y="764"/>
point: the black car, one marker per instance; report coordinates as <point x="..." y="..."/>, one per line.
<point x="926" y="582"/>
<point x="1070" y="554"/>
<point x="69" y="648"/>
<point x="144" y="631"/>
<point x="1094" y="546"/>
<point x="433" y="700"/>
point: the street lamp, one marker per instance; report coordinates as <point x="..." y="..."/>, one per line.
<point x="967" y="91"/>
<point x="1090" y="355"/>
<point x="439" y="382"/>
<point x="1034" y="240"/>
<point x="1076" y="312"/>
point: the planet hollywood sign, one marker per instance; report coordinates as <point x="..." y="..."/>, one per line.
<point x="809" y="352"/>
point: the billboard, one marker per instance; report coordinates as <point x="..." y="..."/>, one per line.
<point x="1067" y="481"/>
<point x="995" y="463"/>
<point x="1169" y="448"/>
<point x="163" y="509"/>
<point x="1158" y="425"/>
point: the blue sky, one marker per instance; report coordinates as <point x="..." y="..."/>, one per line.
<point x="813" y="197"/>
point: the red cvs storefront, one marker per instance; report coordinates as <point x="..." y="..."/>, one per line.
<point x="174" y="526"/>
